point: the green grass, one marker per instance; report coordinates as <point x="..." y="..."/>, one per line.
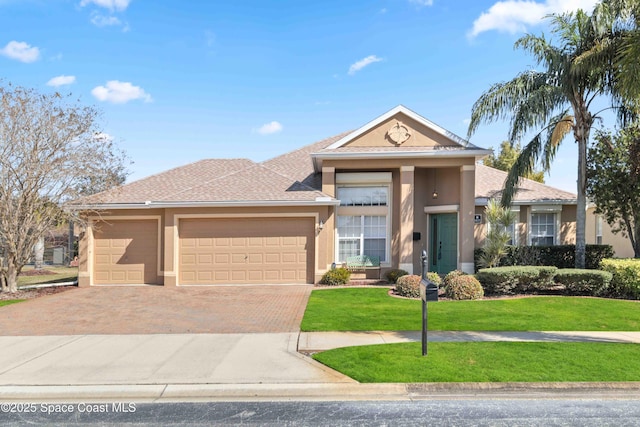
<point x="350" y="309"/>
<point x="487" y="362"/>
<point x="62" y="274"/>
<point x="11" y="301"/>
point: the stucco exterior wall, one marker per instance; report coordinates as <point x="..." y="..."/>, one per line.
<point x="621" y="245"/>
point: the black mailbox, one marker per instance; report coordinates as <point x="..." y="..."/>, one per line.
<point x="428" y="290"/>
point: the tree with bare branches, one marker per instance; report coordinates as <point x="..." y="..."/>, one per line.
<point x="50" y="148"/>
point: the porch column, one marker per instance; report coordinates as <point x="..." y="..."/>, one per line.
<point x="467" y="210"/>
<point x="329" y="235"/>
<point x="407" y="174"/>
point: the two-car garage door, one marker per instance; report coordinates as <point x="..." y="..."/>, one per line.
<point x="245" y="250"/>
<point x="210" y="251"/>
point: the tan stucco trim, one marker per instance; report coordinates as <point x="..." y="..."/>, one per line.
<point x="178" y="217"/>
<point x="442" y="209"/>
<point x="90" y="250"/>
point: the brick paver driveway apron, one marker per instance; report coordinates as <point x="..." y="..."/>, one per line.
<point x="159" y="310"/>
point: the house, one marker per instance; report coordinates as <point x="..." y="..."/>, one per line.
<point x="395" y="186"/>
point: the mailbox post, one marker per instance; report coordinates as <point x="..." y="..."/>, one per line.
<point x="428" y="292"/>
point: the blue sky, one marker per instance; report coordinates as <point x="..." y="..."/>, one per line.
<point x="178" y="81"/>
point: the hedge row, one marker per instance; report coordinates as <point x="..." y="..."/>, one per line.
<point x="531" y="279"/>
<point x="512" y="280"/>
<point x="561" y="256"/>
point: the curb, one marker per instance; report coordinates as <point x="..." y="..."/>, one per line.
<point x="148" y="393"/>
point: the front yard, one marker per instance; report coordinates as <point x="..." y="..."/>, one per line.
<point x="47" y="276"/>
<point x="368" y="309"/>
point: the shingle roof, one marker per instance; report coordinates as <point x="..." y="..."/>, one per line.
<point x="297" y="164"/>
<point x="164" y="184"/>
<point x="288" y="178"/>
<point x="489" y="182"/>
<point x="255" y="183"/>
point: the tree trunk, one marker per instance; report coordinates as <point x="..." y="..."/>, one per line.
<point x="3" y="281"/>
<point x="583" y="125"/>
<point x="12" y="278"/>
<point x="38" y="253"/>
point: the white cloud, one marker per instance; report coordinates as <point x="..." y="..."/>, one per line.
<point x="359" y="65"/>
<point x="269" y="128"/>
<point x="108" y="4"/>
<point x="514" y="16"/>
<point x="61" y="81"/>
<point x="104" y="21"/>
<point x="422" y="2"/>
<point x="119" y="92"/>
<point x="20" y="51"/>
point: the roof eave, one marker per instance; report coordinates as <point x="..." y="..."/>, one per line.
<point x="482" y="201"/>
<point x="317" y="158"/>
<point x="320" y="201"/>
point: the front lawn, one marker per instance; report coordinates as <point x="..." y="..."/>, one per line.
<point x="29" y="276"/>
<point x="368" y="309"/>
<point x="487" y="362"/>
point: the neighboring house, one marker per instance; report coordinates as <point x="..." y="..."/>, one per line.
<point x="544" y="215"/>
<point x="390" y="189"/>
<point x="599" y="232"/>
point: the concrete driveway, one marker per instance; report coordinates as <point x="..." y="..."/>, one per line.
<point x="159" y="310"/>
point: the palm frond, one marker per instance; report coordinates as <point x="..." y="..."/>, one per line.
<point x="503" y="98"/>
<point x="524" y="165"/>
<point x="563" y="126"/>
<point x="536" y="109"/>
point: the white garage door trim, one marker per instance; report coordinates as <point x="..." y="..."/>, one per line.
<point x="91" y="241"/>
<point x="176" y="237"/>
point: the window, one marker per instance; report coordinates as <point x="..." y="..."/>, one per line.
<point x="362" y="235"/>
<point x="543" y="229"/>
<point x="363" y="196"/>
<point x="598" y="229"/>
<point x="511" y="230"/>
<point x="362" y="221"/>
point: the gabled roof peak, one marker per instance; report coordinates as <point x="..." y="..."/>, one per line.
<point x="407" y="112"/>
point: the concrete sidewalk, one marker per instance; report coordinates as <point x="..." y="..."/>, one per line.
<point x="217" y="367"/>
<point x="158" y="359"/>
<point x="320" y="341"/>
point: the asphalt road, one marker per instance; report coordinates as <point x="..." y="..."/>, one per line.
<point x="442" y="412"/>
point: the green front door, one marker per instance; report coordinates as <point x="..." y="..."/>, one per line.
<point x="443" y="243"/>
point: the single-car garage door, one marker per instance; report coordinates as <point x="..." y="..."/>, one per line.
<point x="125" y="252"/>
<point x="246" y="251"/>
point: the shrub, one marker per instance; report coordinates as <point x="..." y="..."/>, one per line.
<point x="510" y="280"/>
<point x="408" y="286"/>
<point x="583" y="282"/>
<point x="434" y="277"/>
<point x="335" y="277"/>
<point x="626" y="277"/>
<point x="560" y="256"/>
<point x="464" y="287"/>
<point x="450" y="276"/>
<point x="393" y="275"/>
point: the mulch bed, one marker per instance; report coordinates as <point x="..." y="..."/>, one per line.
<point x="34" y="293"/>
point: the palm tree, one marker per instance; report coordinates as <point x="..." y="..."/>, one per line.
<point x="622" y="22"/>
<point x="553" y="102"/>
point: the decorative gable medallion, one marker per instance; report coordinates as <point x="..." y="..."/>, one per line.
<point x="398" y="133"/>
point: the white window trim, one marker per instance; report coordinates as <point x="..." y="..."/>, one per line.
<point x="367" y="179"/>
<point x="556" y="211"/>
